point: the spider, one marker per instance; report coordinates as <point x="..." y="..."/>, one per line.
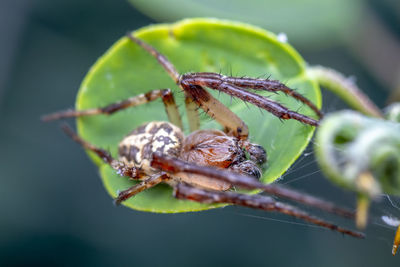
<point x="205" y="165"/>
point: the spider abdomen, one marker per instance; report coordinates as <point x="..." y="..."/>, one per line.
<point x="136" y="149"/>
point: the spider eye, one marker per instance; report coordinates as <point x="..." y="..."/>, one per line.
<point x="257" y="154"/>
<point x="248" y="168"/>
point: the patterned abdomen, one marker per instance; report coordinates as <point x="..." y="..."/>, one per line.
<point x="136" y="148"/>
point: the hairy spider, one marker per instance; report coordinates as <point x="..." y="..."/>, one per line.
<point x="206" y="164"/>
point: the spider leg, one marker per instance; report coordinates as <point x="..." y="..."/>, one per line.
<point x="147" y="183"/>
<point x="192" y="114"/>
<point x="185" y="191"/>
<point x="165" y="94"/>
<point x="257" y="84"/>
<point x="174" y="165"/>
<point x="216" y="110"/>
<point x="212" y="81"/>
<point x="200" y="97"/>
<point x="272" y="86"/>
<point x="165" y="63"/>
<point x="119" y="166"/>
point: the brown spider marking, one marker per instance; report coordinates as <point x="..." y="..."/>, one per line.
<point x="205" y="164"/>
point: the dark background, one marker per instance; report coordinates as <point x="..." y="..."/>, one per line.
<point x="53" y="208"/>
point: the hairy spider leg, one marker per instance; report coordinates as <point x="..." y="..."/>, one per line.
<point x="166" y="95"/>
<point x="271" y="86"/>
<point x="209" y="80"/>
<point x="214" y="108"/>
<point x="164" y="62"/>
<point x="123" y="170"/>
<point x="174" y="165"/>
<point x="192" y="114"/>
<point x="232" y="124"/>
<point x="185" y="191"/>
<point x="145" y="184"/>
<point x="193" y="84"/>
<point x="191" y="108"/>
<point x="120" y="167"/>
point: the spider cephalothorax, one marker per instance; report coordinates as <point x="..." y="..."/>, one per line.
<point x="206" y="164"/>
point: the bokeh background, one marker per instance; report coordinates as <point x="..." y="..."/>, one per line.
<point x="53" y="208"/>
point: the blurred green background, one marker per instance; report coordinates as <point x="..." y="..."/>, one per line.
<point x="54" y="210"/>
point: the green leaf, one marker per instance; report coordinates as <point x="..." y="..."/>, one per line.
<point x="194" y="45"/>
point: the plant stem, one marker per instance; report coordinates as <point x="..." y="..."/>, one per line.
<point x="344" y="88"/>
